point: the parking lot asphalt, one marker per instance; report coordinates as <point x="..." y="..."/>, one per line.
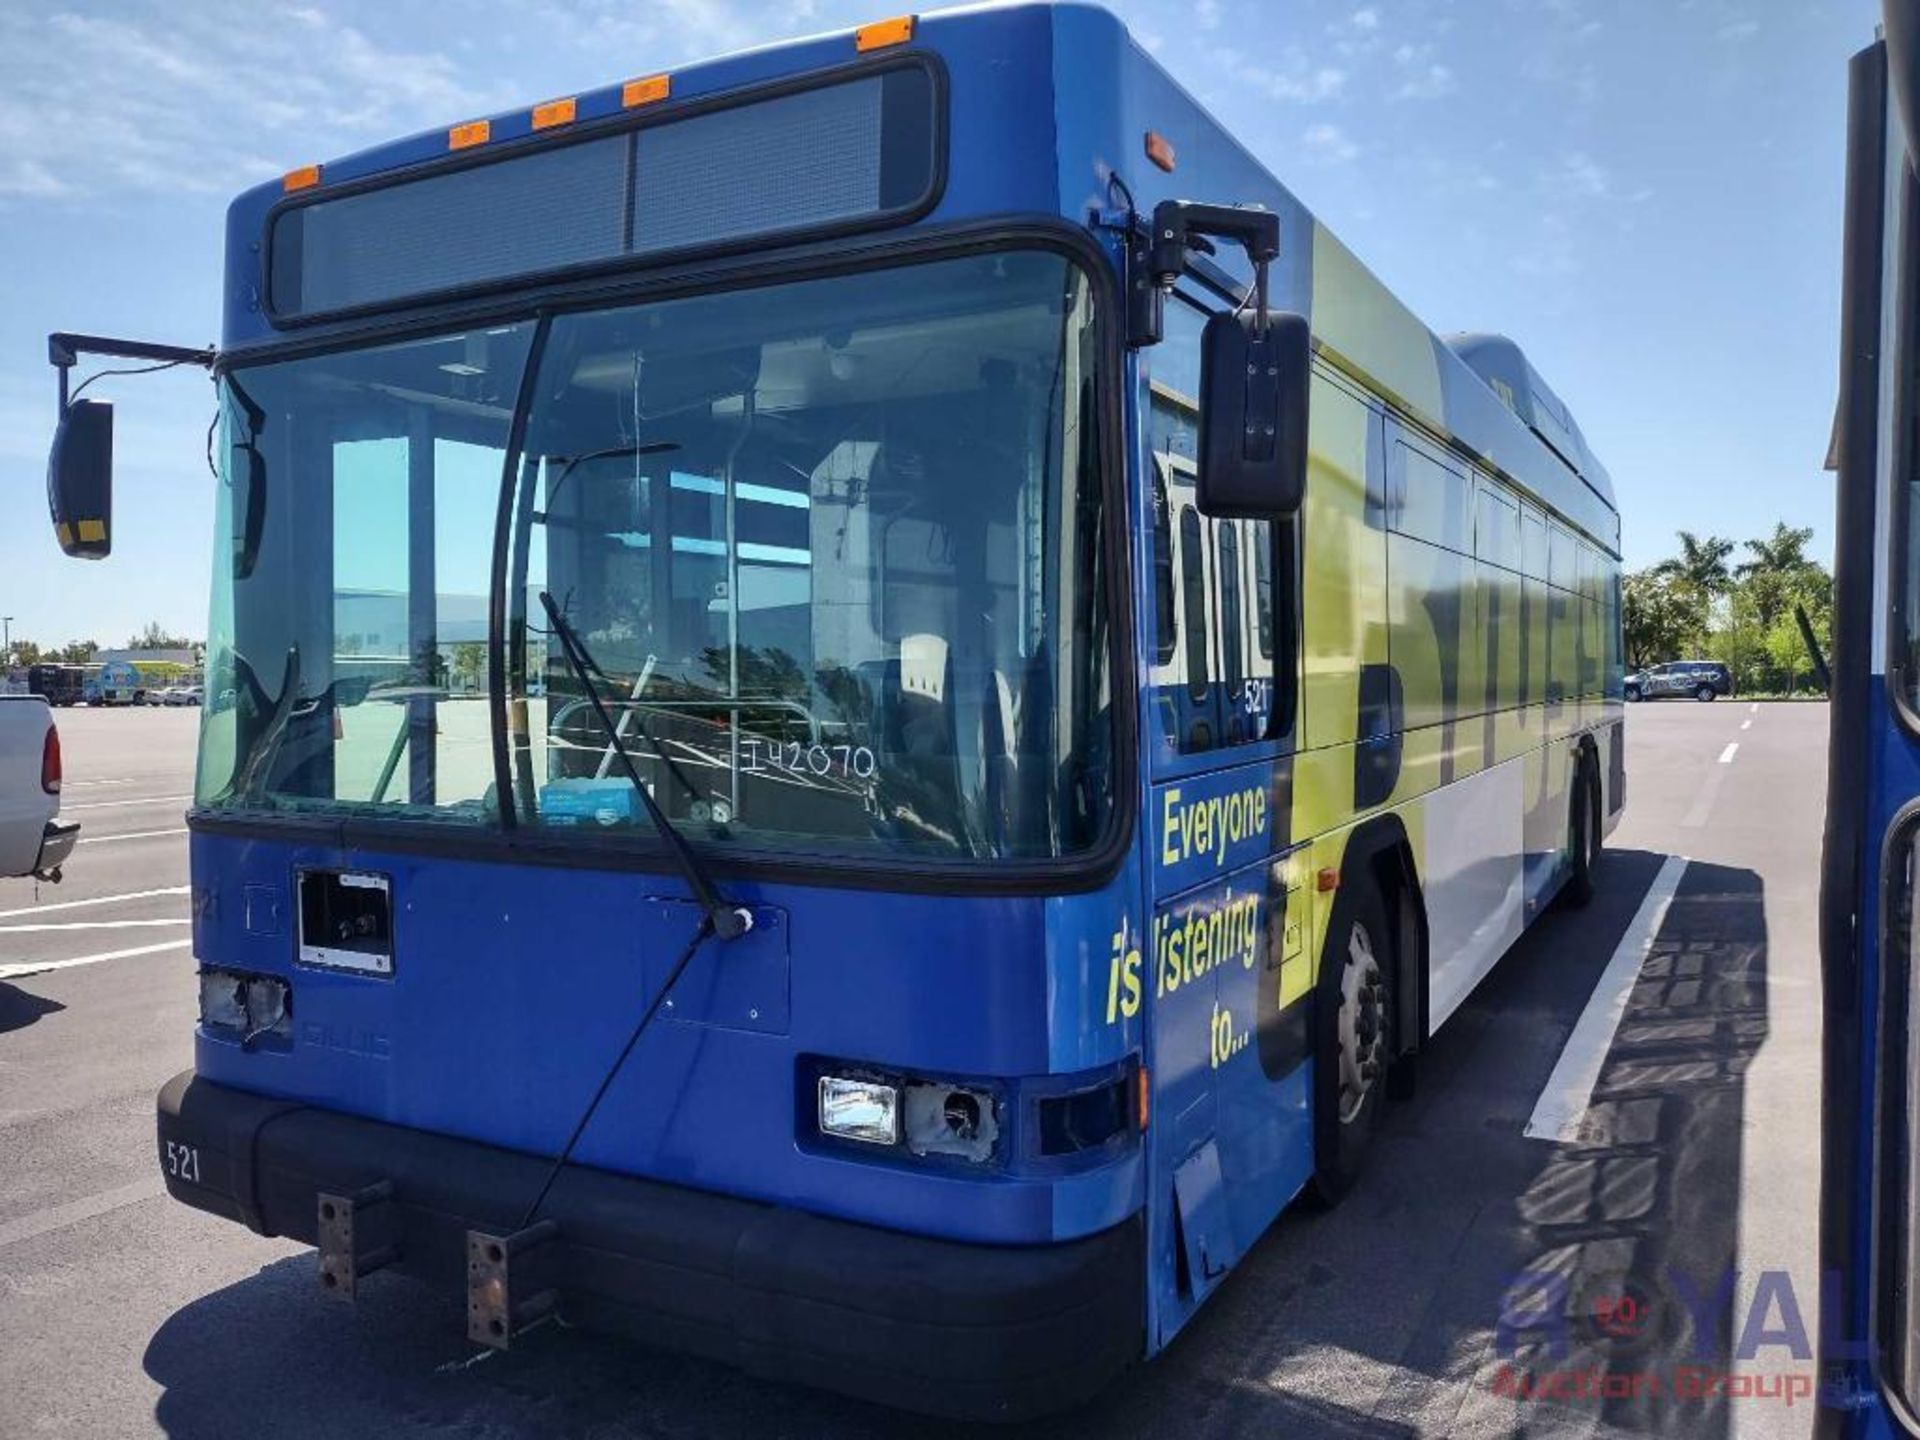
<point x="1664" y="1055"/>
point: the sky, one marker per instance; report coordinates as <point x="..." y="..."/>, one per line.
<point x="1644" y="193"/>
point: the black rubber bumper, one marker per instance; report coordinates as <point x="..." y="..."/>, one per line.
<point x="965" y="1331"/>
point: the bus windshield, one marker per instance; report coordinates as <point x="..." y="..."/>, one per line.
<point x="833" y="549"/>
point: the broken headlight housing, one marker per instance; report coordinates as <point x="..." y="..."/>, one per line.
<point x="249" y="1008"/>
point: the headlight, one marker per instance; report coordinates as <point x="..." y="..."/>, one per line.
<point x="863" y="1110"/>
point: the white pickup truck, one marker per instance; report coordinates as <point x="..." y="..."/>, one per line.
<point x="32" y="839"/>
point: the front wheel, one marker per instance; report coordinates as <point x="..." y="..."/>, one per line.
<point x="1633" y="693"/>
<point x="1704" y="693"/>
<point x="1353" y="1043"/>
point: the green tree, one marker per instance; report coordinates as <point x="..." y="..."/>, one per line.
<point x="1662" y="616"/>
<point x="1701" y="563"/>
<point x="1752" y="625"/>
<point x="76" y="652"/>
<point x="1778" y="572"/>
<point x="469" y="664"/>
<point x="157" y="637"/>
<point x="1784" y="552"/>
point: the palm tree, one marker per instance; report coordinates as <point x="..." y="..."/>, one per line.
<point x="1778" y="572"/>
<point x="1782" y="553"/>
<point x="1701" y="563"/>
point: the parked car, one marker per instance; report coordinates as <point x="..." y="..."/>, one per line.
<point x="180" y="695"/>
<point x="1700" y="679"/>
<point x="32" y="839"/>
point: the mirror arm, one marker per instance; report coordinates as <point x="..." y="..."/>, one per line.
<point x="64" y="351"/>
<point x="1181" y="227"/>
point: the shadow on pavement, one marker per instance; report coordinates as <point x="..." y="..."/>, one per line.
<point x="20" y="1008"/>
<point x="1381" y="1319"/>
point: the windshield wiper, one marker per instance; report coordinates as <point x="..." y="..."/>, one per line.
<point x="727" y="921"/>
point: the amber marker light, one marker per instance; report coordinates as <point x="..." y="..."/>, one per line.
<point x="882" y="33"/>
<point x="305" y="178"/>
<point x="1160" y="150"/>
<point x="1143" y="1098"/>
<point x="554" y="112"/>
<point x="465" y="137"/>
<point x="650" y="91"/>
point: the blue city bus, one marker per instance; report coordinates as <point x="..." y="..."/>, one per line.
<point x="864" y="702"/>
<point x="1870" y="1187"/>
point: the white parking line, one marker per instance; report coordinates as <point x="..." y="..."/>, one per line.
<point x="1754" y="709"/>
<point x="40" y="967"/>
<point x="1746" y="724"/>
<point x="62" y="926"/>
<point x="136" y="835"/>
<point x="1702" y="807"/>
<point x="58" y="1217"/>
<point x="118" y="804"/>
<point x="1726" y="755"/>
<point x="85" y="784"/>
<point x="1569" y="1089"/>
<point x="96" y="900"/>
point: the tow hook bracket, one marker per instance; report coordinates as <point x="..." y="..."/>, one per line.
<point x="512" y="1283"/>
<point x="359" y="1233"/>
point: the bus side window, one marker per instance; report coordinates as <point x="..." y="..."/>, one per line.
<point x="1232" y="638"/>
<point x="1195" y="623"/>
<point x="1166" y="627"/>
<point x="1260" y="535"/>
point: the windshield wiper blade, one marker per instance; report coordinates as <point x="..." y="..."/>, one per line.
<point x="727" y="921"/>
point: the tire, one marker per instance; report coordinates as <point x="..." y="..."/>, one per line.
<point x="1583" y="837"/>
<point x="1633" y="694"/>
<point x="1353" y="1030"/>
<point x="1704" y="693"/>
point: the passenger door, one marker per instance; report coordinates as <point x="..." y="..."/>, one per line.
<point x="1226" y="966"/>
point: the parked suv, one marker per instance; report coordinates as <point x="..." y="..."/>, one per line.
<point x="1702" y="679"/>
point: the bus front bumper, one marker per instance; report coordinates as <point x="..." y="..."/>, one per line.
<point x="961" y="1330"/>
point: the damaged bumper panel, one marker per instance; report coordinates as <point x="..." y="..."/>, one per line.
<point x="966" y="1331"/>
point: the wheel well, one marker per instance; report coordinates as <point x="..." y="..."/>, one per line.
<point x="1587" y="766"/>
<point x="1381" y="850"/>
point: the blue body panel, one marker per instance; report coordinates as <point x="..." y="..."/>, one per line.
<point x="514" y="988"/>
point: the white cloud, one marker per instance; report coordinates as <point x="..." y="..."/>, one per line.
<point x="1206" y="14"/>
<point x="1295" y="76"/>
<point x="1356" y="35"/>
<point x="1431" y="82"/>
<point x="192" y="99"/>
<point x="24" y="175"/>
<point x="1421" y="76"/>
<point x="1581" y="176"/>
<point x="1328" y="143"/>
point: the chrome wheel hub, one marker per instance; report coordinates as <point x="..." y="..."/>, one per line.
<point x="1361" y="1026"/>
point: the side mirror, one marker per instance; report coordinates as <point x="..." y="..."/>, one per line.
<point x="80" y="480"/>
<point x="1253" y="415"/>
